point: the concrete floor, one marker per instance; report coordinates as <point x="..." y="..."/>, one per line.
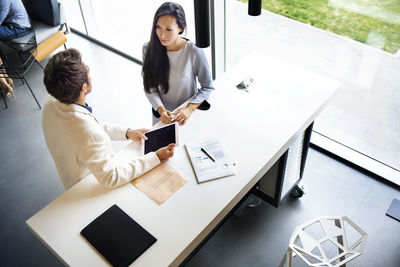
<point x="260" y="237"/>
<point x="29" y="181"/>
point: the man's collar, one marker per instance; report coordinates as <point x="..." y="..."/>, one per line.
<point x="69" y="107"/>
<point x="86" y="106"/>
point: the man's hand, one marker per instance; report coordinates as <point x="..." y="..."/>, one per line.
<point x="165" y="152"/>
<point x="183" y="114"/>
<point x="166" y="115"/>
<point x="136" y="135"/>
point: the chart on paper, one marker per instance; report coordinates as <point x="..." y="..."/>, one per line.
<point x="209" y="160"/>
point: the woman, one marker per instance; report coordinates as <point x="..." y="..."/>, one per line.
<point x="171" y="66"/>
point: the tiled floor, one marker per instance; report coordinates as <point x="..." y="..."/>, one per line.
<point x="28" y="181"/>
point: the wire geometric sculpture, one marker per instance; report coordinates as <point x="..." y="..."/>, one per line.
<point x="326" y="241"/>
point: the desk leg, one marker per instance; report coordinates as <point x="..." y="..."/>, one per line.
<point x="284" y="176"/>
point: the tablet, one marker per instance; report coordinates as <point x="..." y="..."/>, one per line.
<point x="161" y="137"/>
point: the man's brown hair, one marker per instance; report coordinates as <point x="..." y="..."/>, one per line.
<point x="64" y="75"/>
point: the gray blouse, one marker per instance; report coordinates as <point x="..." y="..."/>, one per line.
<point x="185" y="65"/>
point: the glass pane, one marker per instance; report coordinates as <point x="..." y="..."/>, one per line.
<point x="364" y="57"/>
<point x="126" y="25"/>
<point x="73" y="14"/>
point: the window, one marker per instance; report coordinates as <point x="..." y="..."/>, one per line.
<point x="361" y="122"/>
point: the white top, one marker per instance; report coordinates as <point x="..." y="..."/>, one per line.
<point x="257" y="127"/>
<point x="186" y="65"/>
<point x="80" y="144"/>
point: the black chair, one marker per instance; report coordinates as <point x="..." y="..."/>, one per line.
<point x="49" y="28"/>
<point x="18" y="55"/>
<point x="48" y="19"/>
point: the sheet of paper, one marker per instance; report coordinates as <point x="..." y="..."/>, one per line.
<point x="159" y="183"/>
<point x="205" y="168"/>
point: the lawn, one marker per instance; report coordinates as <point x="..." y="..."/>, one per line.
<point x="374" y="22"/>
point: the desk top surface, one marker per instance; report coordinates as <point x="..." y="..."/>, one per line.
<point x="256" y="126"/>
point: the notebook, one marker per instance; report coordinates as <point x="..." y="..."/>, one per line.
<point x="118" y="237"/>
<point x="161" y="137"/>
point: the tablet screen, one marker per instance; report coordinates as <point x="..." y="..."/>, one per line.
<point x="159" y="138"/>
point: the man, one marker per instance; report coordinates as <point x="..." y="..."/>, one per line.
<point x="14" y="23"/>
<point x="77" y="141"/>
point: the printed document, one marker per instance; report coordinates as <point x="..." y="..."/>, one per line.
<point x="159" y="183"/>
<point x="209" y="160"/>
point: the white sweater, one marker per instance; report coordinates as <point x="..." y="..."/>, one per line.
<point x="80" y="144"/>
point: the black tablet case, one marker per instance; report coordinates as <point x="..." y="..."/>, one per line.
<point x="159" y="138"/>
<point x="118" y="237"/>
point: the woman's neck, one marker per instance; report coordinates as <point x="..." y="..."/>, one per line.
<point x="179" y="43"/>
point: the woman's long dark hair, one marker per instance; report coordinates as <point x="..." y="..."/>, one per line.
<point x="155" y="69"/>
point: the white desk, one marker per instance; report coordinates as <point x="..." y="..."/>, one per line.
<point x="257" y="128"/>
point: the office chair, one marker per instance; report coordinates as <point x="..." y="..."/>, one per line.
<point x="50" y="24"/>
<point x="49" y="27"/>
<point x="325" y="241"/>
<point x="18" y="56"/>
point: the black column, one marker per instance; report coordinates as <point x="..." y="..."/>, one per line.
<point x="255" y="7"/>
<point x="202" y="22"/>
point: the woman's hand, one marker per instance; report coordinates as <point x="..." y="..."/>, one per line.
<point x="165" y="152"/>
<point x="166" y="115"/>
<point x="183" y="114"/>
<point x="136" y="135"/>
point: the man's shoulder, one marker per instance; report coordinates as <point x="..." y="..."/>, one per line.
<point x="53" y="103"/>
<point x="66" y="115"/>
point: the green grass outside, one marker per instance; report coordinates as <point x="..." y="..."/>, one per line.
<point x="339" y="20"/>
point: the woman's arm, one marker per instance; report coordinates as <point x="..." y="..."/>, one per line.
<point x="154" y="98"/>
<point x="183" y="114"/>
<point x="166" y="115"/>
<point x="202" y="72"/>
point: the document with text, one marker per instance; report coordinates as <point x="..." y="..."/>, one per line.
<point x="209" y="160"/>
<point x="160" y="183"/>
